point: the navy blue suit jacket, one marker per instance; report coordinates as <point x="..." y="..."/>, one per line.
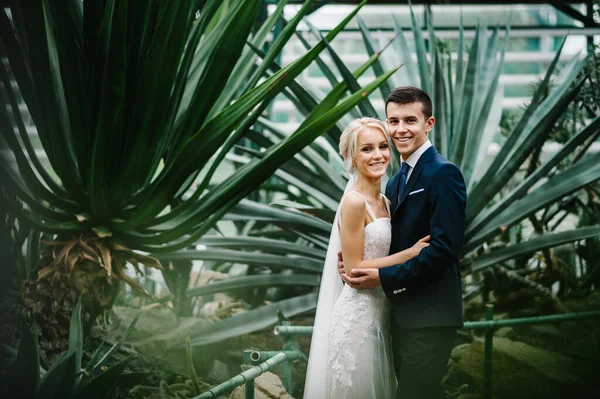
<point x="426" y="290"/>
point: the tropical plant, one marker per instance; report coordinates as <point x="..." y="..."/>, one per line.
<point x="12" y="238"/>
<point x="14" y="262"/>
<point x="136" y="105"/>
<point x="291" y="235"/>
<point x="66" y="378"/>
<point x="560" y="263"/>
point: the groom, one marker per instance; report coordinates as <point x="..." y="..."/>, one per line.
<point x="428" y="198"/>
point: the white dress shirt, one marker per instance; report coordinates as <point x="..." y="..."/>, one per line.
<point x="414" y="157"/>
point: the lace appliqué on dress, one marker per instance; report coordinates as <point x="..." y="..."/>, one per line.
<point x="358" y="316"/>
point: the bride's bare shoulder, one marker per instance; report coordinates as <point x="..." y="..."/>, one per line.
<point x="353" y="205"/>
<point x="353" y="200"/>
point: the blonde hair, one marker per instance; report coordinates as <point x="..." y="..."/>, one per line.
<point x="349" y="138"/>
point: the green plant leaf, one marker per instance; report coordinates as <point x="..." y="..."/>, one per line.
<point x="403" y="49"/>
<point x="24" y="373"/>
<point x="273" y="280"/>
<point x="424" y="70"/>
<point x="253" y="320"/>
<point x="94" y="358"/>
<point x="558" y="186"/>
<point x="384" y="88"/>
<point x="460" y="134"/>
<point x="438" y="135"/>
<point x="280" y="41"/>
<point x="116" y="346"/>
<point x="590" y="132"/>
<point x="76" y="337"/>
<point x="325" y="167"/>
<point x="486" y="96"/>
<point x="244" y="257"/>
<point x="327" y="72"/>
<point x="246" y="63"/>
<point x="262" y="244"/>
<point x="22" y="162"/>
<point x="101" y="386"/>
<point x="59" y="380"/>
<point x="533" y="245"/>
<point x="490" y="183"/>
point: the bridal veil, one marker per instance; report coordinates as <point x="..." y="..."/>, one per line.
<point x="330" y="289"/>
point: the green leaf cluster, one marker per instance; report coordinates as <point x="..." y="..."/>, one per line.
<point x="137" y="104"/>
<point x="66" y="378"/>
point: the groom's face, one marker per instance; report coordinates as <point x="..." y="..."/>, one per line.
<point x="408" y="126"/>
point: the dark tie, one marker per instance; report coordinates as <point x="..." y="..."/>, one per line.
<point x="402" y="181"/>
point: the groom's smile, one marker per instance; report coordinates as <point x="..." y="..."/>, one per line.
<point x="408" y="126"/>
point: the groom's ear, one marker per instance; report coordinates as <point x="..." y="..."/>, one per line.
<point x="430" y="122"/>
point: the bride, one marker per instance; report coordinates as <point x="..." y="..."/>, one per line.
<point x="350" y="353"/>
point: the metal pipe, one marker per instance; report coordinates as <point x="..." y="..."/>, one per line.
<point x="287" y="379"/>
<point x="249" y="389"/>
<point x="276" y="357"/>
<point x="264" y="355"/>
<point x="474" y="325"/>
<point x="292" y="330"/>
<point x="488" y="353"/>
<point x="242" y="378"/>
<point x="249" y="385"/>
<point x="289" y="343"/>
<point x="471" y="325"/>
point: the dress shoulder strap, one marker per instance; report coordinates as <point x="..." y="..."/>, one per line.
<point x="387" y="205"/>
<point x="367" y="206"/>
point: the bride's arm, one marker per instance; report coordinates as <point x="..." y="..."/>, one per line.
<point x="352" y="234"/>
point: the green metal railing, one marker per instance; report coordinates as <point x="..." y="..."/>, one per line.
<point x="258" y="362"/>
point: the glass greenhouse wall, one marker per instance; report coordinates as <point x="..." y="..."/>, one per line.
<point x="536" y="33"/>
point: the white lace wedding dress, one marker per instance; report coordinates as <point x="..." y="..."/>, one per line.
<point x="359" y="350"/>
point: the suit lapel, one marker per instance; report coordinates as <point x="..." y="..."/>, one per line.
<point x="416" y="173"/>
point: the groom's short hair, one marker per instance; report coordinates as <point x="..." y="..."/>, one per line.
<point x="408" y="95"/>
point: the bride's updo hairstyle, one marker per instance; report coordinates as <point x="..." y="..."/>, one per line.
<point x="349" y="138"/>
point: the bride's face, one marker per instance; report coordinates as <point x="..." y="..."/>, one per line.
<point x="372" y="153"/>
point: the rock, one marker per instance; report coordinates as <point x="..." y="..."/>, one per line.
<point x="238" y="269"/>
<point x="456" y="379"/>
<point x="206" y="277"/>
<point x="586" y="348"/>
<point x="514" y="299"/>
<point x="543" y="336"/>
<point x="218" y="372"/>
<point x="501" y="316"/>
<point x="506" y="332"/>
<point x="594" y="300"/>
<point x="458" y="351"/>
<point x="464" y="389"/>
<point x="545" y="330"/>
<point x="157" y="330"/>
<point x="576" y="305"/>
<point x="524" y="312"/>
<point x="474" y="395"/>
<point x="522" y="371"/>
<point x="266" y="386"/>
